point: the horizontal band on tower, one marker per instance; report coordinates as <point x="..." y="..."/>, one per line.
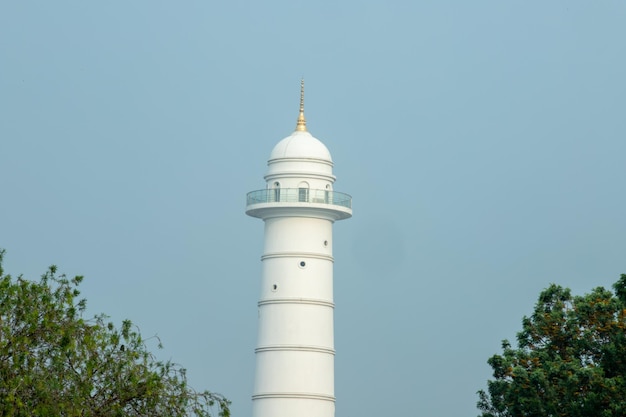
<point x="297" y="255"/>
<point x="301" y="172"/>
<point x="297" y="301"/>
<point x="295" y="348"/>
<point x="296" y="395"/>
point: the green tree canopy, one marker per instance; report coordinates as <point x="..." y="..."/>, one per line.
<point x="54" y="362"/>
<point x="570" y="360"/>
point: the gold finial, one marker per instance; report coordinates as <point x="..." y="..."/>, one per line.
<point x="301" y="126"/>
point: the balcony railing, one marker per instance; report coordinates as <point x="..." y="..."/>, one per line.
<point x="299" y="195"/>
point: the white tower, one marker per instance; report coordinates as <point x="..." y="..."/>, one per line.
<point x="295" y="349"/>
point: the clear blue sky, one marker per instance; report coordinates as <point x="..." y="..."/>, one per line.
<point x="483" y="142"/>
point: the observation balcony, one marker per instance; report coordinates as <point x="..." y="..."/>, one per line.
<point x="280" y="200"/>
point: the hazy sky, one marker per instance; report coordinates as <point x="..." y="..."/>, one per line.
<point x="483" y="142"/>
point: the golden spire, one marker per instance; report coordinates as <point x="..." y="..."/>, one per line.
<point x="301" y="126"/>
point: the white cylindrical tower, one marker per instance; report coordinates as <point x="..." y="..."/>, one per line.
<point x="295" y="350"/>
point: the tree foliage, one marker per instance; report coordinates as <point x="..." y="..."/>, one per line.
<point x="53" y="362"/>
<point x="570" y="360"/>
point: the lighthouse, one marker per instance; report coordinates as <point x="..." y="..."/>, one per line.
<point x="295" y="352"/>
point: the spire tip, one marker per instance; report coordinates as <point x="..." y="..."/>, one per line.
<point x="301" y="125"/>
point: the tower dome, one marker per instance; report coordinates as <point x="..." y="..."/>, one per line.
<point x="297" y="158"/>
<point x="300" y="145"/>
<point x="300" y="159"/>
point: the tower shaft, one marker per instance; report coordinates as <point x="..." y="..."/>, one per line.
<point x="295" y="349"/>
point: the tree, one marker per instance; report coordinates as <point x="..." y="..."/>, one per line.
<point x="53" y="362"/>
<point x="570" y="360"/>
